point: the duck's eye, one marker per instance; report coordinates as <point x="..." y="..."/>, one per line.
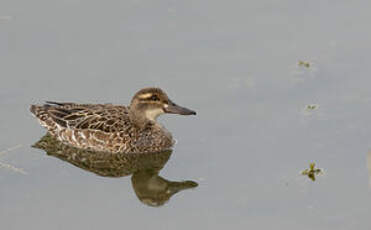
<point x="154" y="98"/>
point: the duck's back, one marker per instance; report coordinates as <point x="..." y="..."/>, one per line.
<point x="101" y="127"/>
<point x="104" y="117"/>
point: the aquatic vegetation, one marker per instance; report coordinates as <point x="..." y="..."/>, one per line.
<point x="304" y="64"/>
<point x="303" y="71"/>
<point x="312" y="172"/>
<point x="309" y="109"/>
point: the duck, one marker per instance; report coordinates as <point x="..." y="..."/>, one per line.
<point x="112" y="128"/>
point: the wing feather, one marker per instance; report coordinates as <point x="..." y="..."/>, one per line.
<point x="103" y="117"/>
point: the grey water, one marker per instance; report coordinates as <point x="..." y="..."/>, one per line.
<point x="239" y="65"/>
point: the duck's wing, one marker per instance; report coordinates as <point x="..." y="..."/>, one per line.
<point x="104" y="117"/>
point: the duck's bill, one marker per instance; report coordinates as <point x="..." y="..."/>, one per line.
<point x="176" y="109"/>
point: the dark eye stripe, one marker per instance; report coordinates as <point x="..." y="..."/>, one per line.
<point x="151" y="98"/>
<point x="154" y="98"/>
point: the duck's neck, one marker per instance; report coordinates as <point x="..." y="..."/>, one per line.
<point x="139" y="119"/>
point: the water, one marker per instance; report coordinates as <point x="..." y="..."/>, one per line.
<point x="236" y="64"/>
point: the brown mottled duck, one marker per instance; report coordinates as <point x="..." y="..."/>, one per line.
<point x="112" y="128"/>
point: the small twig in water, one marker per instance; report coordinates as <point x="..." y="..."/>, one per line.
<point x="8" y="166"/>
<point x="11" y="167"/>
<point x="10" y="149"/>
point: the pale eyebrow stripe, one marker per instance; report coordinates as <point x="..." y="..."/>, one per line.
<point x="145" y="95"/>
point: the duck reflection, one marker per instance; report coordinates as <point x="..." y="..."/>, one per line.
<point x="150" y="188"/>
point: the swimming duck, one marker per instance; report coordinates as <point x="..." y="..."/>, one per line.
<point x="112" y="128"/>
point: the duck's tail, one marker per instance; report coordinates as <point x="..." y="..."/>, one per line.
<point x="41" y="113"/>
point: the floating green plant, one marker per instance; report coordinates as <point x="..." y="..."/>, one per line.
<point x="312" y="172"/>
<point x="304" y="64"/>
<point x="311" y="107"/>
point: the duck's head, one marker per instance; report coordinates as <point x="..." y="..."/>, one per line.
<point x="152" y="102"/>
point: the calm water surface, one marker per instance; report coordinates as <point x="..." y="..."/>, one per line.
<point x="236" y="64"/>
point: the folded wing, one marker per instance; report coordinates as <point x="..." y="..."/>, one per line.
<point x="104" y="117"/>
